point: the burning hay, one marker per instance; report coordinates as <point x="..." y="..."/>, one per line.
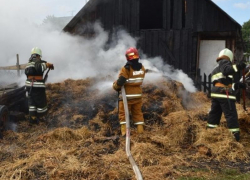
<point x="80" y="137"/>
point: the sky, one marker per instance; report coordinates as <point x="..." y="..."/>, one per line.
<point x="239" y="10"/>
<point x="60" y="8"/>
<point x="75" y="57"/>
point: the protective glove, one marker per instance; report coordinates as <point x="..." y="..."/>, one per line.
<point x="247" y="68"/>
<point x="116" y="87"/>
<point x="241" y="65"/>
<point x="239" y="85"/>
<point x="121" y="81"/>
<point x="50" y="66"/>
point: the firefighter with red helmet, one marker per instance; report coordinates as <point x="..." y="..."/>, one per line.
<point x="131" y="77"/>
<point x="223" y="92"/>
<point x="35" y="85"/>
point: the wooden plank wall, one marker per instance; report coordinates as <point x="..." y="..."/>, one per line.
<point x="190" y="18"/>
<point x="177" y="14"/>
<point x="177" y="48"/>
<point x="177" y="41"/>
<point x="114" y="13"/>
<point x="211" y="18"/>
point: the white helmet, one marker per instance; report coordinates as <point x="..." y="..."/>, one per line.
<point x="36" y="50"/>
<point x="228" y="53"/>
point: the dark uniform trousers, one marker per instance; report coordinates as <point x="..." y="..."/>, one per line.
<point x="220" y="105"/>
<point x="37" y="102"/>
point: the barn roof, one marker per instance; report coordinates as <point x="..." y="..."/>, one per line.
<point x="92" y="3"/>
<point x="86" y="8"/>
<point x="224" y="12"/>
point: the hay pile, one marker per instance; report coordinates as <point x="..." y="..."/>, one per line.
<point x="80" y="137"/>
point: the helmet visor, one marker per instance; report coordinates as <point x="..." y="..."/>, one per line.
<point x="132" y="56"/>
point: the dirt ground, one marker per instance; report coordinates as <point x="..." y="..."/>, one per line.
<point x="80" y="137"/>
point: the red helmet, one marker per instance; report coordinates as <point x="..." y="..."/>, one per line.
<point x="131" y="54"/>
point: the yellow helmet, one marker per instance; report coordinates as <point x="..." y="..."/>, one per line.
<point x="228" y="53"/>
<point x="36" y="50"/>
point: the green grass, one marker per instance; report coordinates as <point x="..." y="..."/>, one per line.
<point x="226" y="174"/>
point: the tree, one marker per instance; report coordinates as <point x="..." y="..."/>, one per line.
<point x="246" y="35"/>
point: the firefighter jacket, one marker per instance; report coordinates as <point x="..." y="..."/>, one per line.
<point x="222" y="79"/>
<point x="34" y="71"/>
<point x="132" y="81"/>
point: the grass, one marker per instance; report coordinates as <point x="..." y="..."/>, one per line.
<point x="226" y="174"/>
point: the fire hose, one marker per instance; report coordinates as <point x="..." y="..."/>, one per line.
<point x="46" y="75"/>
<point x="244" y="91"/>
<point x="229" y="103"/>
<point x="245" y="76"/>
<point x="129" y="155"/>
<point x="32" y="82"/>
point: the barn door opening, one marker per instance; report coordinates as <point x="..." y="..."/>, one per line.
<point x="209" y="51"/>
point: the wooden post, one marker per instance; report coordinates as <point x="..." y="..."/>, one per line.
<point x="205" y="83"/>
<point x="199" y="79"/>
<point x="209" y="84"/>
<point x="17" y="65"/>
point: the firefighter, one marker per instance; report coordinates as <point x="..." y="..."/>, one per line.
<point x="223" y="92"/>
<point x="35" y="85"/>
<point x="131" y="76"/>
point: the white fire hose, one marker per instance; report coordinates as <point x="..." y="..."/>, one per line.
<point x="129" y="155"/>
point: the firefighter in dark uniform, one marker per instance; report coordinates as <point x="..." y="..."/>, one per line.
<point x="131" y="76"/>
<point x="223" y="92"/>
<point x="35" y="85"/>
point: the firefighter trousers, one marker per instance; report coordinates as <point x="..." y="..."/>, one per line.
<point x="37" y="101"/>
<point x="220" y="105"/>
<point x="134" y="107"/>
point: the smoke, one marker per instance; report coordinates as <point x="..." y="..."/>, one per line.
<point x="74" y="57"/>
<point x="162" y="69"/>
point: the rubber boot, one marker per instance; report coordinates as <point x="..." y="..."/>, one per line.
<point x="123" y="129"/>
<point x="237" y="136"/>
<point x="33" y="120"/>
<point x="140" y="128"/>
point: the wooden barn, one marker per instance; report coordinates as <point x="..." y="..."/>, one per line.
<point x="187" y="34"/>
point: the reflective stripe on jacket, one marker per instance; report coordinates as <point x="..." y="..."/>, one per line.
<point x="215" y="95"/>
<point x="35" y="68"/>
<point x="223" y="75"/>
<point x="134" y="80"/>
<point x="28" y="83"/>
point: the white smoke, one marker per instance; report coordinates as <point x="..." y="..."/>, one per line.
<point x="162" y="69"/>
<point x="73" y="57"/>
